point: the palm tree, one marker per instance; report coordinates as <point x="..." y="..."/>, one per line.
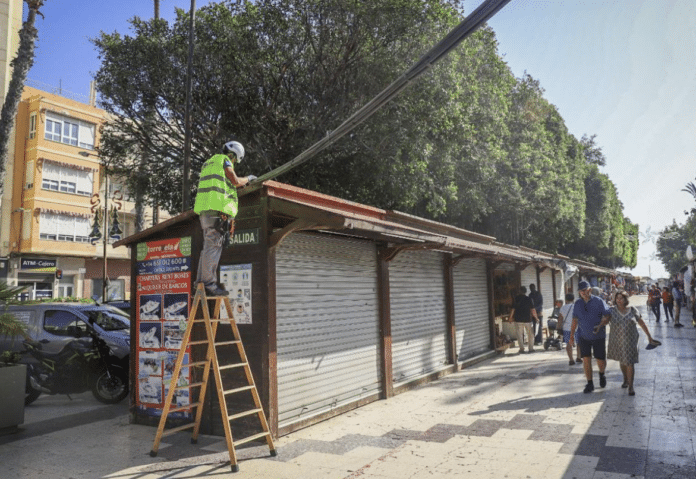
<point x="20" y="67"/>
<point x="691" y="189"/>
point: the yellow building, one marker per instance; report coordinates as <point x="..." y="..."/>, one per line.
<point x="57" y="187"/>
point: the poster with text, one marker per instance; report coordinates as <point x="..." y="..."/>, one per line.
<point x="236" y="278"/>
<point x="163" y="299"/>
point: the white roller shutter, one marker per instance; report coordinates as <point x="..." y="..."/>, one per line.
<point x="560" y="291"/>
<point x="546" y="293"/>
<point x="418" y="319"/>
<point x="471" y="308"/>
<point x="528" y="276"/>
<point x="327" y="324"/>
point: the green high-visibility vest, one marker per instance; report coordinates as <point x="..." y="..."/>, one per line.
<point x="215" y="192"/>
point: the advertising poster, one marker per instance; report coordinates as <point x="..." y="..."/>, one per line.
<point x="237" y="280"/>
<point x="163" y="300"/>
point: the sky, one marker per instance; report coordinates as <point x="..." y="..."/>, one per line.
<point x="624" y="70"/>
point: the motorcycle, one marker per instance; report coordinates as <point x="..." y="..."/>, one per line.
<point x="83" y="364"/>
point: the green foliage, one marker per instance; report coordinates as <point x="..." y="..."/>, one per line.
<point x="672" y="244"/>
<point x="610" y="239"/>
<point x="9" y="325"/>
<point x="468" y="144"/>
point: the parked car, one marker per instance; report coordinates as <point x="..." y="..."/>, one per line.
<point x="56" y="324"/>
<point x="122" y="305"/>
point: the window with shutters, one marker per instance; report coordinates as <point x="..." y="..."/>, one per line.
<point x="66" y="180"/>
<point x="69" y="131"/>
<point x="58" y="227"/>
<point x="32" y="125"/>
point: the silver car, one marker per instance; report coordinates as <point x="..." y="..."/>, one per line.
<point x="56" y="324"/>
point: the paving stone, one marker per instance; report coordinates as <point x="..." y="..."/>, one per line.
<point x="622" y="460"/>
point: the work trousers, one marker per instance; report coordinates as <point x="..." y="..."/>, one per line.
<point x="212" y="250"/>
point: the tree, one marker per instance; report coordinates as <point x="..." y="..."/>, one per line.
<point x="592" y="152"/>
<point x="278" y="75"/>
<point x="21" y="65"/>
<point x="610" y="239"/>
<point x="691" y="189"/>
<point x="468" y="144"/>
<point x="672" y="244"/>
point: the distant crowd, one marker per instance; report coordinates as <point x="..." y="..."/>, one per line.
<point x="582" y="323"/>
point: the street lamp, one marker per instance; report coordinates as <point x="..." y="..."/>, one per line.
<point x="105" y="235"/>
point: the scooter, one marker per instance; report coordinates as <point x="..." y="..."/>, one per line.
<point x="83" y="364"/>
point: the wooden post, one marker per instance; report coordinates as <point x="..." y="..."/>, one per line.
<point x="385" y="321"/>
<point x="490" y="268"/>
<point x="448" y="269"/>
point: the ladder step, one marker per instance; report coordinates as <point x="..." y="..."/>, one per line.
<point x="184" y="408"/>
<point x="197" y="343"/>
<point x="195" y="364"/>
<point x="232" y="366"/>
<point x="243" y="414"/>
<point x="192" y="385"/>
<point x="167" y="432"/>
<point x="232" y="391"/>
<point x="251" y="438"/>
<point x="226" y="343"/>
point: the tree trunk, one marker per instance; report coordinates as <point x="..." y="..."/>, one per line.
<point x="20" y="67"/>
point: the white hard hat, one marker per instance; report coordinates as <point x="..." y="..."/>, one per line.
<point x="234" y="147"/>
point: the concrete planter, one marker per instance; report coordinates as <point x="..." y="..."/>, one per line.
<point x="12" y="391"/>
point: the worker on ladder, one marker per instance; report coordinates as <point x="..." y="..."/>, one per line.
<point x="216" y="205"/>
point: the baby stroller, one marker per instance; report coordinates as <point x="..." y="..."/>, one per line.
<point x="552" y="340"/>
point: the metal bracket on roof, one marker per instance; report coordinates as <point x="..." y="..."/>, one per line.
<point x="389" y="254"/>
<point x="457" y="259"/>
<point x="299" y="224"/>
<point x="495" y="264"/>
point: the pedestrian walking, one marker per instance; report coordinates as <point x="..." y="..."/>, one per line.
<point x="668" y="304"/>
<point x="565" y="322"/>
<point x="654" y="300"/>
<point x="538" y="301"/>
<point x="677" y="295"/>
<point x="588" y="312"/>
<point x="623" y="339"/>
<point x="521" y="314"/>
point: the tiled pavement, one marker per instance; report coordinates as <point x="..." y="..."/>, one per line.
<point x="512" y="416"/>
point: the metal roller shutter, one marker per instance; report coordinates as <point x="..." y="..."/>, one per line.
<point x="528" y="276"/>
<point x="327" y="324"/>
<point x="546" y="293"/>
<point x="418" y="319"/>
<point x="471" y="308"/>
<point x="560" y="291"/>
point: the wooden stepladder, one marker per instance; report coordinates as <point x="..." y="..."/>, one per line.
<point x="211" y="362"/>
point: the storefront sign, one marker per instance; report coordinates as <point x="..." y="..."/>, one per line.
<point x="237" y="280"/>
<point x="163" y="297"/>
<point x="38" y="264"/>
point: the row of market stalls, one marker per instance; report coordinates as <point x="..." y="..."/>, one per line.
<point x="339" y="304"/>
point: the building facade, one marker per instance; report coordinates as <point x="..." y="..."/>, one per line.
<point x="54" y="204"/>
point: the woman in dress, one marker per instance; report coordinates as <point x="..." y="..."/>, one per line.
<point x="623" y="338"/>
